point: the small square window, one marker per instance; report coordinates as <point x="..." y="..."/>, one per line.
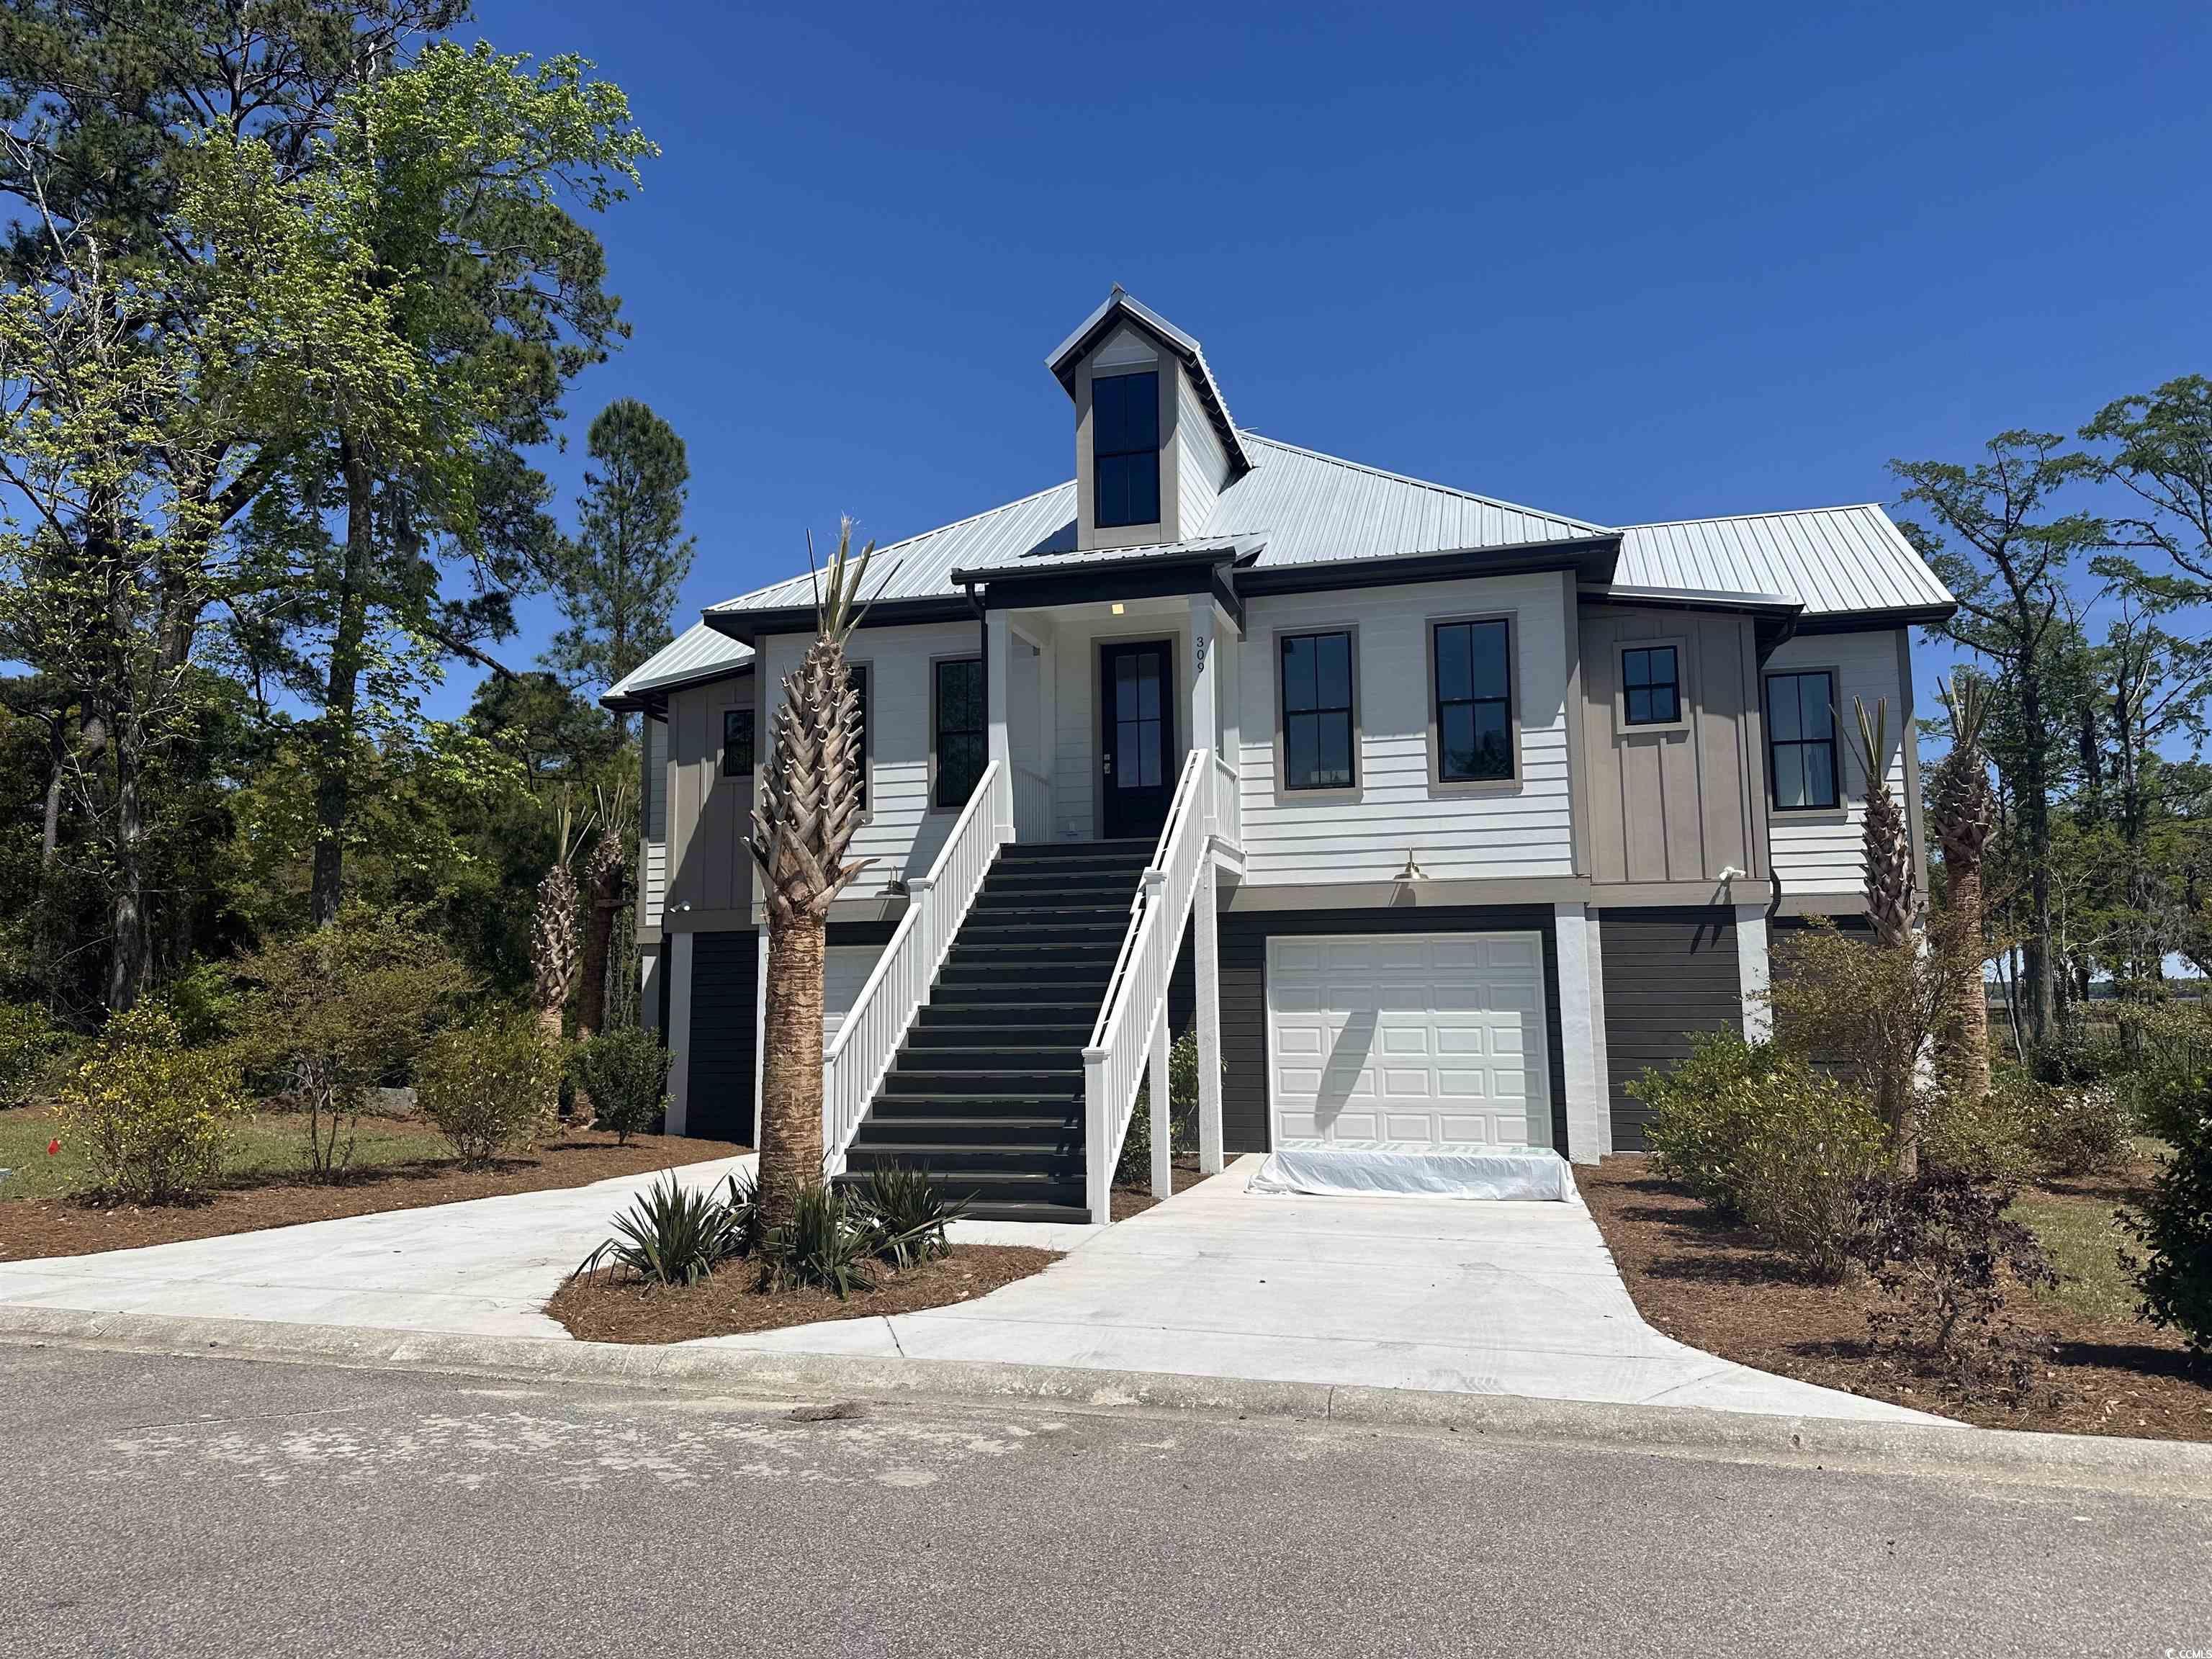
<point x="1651" y="685"/>
<point x="737" y="742"/>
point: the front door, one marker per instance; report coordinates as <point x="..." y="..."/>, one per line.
<point x="1136" y="737"/>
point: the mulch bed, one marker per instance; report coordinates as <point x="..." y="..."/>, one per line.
<point x="32" y="1228"/>
<point x="1183" y="1175"/>
<point x="601" y="1310"/>
<point x="1723" y="1289"/>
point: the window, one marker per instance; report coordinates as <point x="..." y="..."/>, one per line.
<point x="859" y="673"/>
<point x="1651" y="685"/>
<point x="1474" y="701"/>
<point x="737" y="742"/>
<point x="1125" y="449"/>
<point x="957" y="697"/>
<point x="1317" y="725"/>
<point x="1801" y="741"/>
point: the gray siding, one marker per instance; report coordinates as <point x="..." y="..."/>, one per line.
<point x="1244" y="967"/>
<point x="1667" y="973"/>
<point x="725" y="1017"/>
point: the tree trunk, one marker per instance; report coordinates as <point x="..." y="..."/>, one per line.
<point x="605" y="899"/>
<point x="333" y="749"/>
<point x="2041" y="971"/>
<point x="791" y="1067"/>
<point x="126" y="958"/>
<point x="57" y="772"/>
<point x="1970" y="1003"/>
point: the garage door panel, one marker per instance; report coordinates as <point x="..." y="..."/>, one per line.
<point x="1406" y="1039"/>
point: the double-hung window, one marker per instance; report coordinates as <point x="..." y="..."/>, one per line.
<point x="1125" y="449"/>
<point x="1651" y="685"/>
<point x="1318" y="726"/>
<point x="737" y="742"/>
<point x="1801" y="741"/>
<point x="1473" y="700"/>
<point x="956" y="717"/>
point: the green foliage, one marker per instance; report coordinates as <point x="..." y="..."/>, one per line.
<point x="339" y="1010"/>
<point x="827" y="1242"/>
<point x="154" y="1116"/>
<point x="1135" y="1167"/>
<point x="1811" y="1141"/>
<point x="2170" y="1083"/>
<point x="30" y="1047"/>
<point x="487" y="1087"/>
<point x="905" y="1215"/>
<point x="625" y="1071"/>
<point x="1699" y="1113"/>
<point x="674" y="1235"/>
<point x="2172" y="1231"/>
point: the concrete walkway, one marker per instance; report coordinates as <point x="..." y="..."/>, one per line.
<point x="1499" y="1298"/>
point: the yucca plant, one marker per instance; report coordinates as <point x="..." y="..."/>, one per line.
<point x="673" y="1235"/>
<point x="1965" y="810"/>
<point x="821" y="1242"/>
<point x="808" y="806"/>
<point x="906" y="1215"/>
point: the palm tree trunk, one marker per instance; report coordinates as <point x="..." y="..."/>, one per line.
<point x="1970" y="1000"/>
<point x="791" y="1067"/>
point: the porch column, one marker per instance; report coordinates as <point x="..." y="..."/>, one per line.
<point x="1203" y="724"/>
<point x="1589" y="1125"/>
<point x="1208" y="966"/>
<point x="679" y="1032"/>
<point x="1752" y="972"/>
<point x="998" y="678"/>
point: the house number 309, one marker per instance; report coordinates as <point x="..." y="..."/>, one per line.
<point x="1198" y="646"/>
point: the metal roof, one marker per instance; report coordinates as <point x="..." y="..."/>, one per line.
<point x="699" y="653"/>
<point x="1833" y="561"/>
<point x="1120" y="303"/>
<point x="1225" y="548"/>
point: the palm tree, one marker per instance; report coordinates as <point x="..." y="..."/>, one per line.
<point x="808" y="806"/>
<point x="1887" y="844"/>
<point x="553" y="934"/>
<point x="1899" y="1025"/>
<point x="1965" y="809"/>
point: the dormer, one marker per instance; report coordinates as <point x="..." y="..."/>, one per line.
<point x="1154" y="445"/>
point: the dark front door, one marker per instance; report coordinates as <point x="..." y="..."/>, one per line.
<point x="1136" y="738"/>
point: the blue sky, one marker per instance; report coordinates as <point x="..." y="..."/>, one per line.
<point x="1626" y="263"/>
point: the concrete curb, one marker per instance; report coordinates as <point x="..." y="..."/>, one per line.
<point x="2182" y="1468"/>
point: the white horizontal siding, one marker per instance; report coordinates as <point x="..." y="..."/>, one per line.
<point x="1201" y="464"/>
<point x="1454" y="835"/>
<point x="652" y="852"/>
<point x="1822" y="852"/>
<point x="845" y="970"/>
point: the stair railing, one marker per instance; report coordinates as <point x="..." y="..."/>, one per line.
<point x="868" y="1041"/>
<point x="1137" y="996"/>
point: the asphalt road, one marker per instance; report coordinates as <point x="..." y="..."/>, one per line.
<point x="170" y="1506"/>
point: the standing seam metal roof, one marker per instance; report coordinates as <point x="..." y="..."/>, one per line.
<point x="1833" y="559"/>
<point x="699" y="653"/>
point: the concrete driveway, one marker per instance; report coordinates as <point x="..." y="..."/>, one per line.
<point x="1390" y="1293"/>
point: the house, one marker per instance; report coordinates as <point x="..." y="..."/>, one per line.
<point x="1439" y="817"/>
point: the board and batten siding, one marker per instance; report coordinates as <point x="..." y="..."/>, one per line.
<point x="1819" y="854"/>
<point x="1673" y="804"/>
<point x="1524" y="830"/>
<point x="901" y="834"/>
<point x="1667" y="973"/>
<point x="1246" y="1123"/>
<point x="708" y="869"/>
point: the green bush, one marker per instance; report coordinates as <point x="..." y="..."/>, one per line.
<point x="826" y="1242"/>
<point x="2171" y="1226"/>
<point x="2172" y="1075"/>
<point x="1135" y="1167"/>
<point x="487" y="1087"/>
<point x="906" y="1214"/>
<point x="31" y="1048"/>
<point x="2082" y="1129"/>
<point x="1989" y="1138"/>
<point x="1700" y="1114"/>
<point x="1810" y="1141"/>
<point x="673" y="1235"/>
<point x="154" y="1117"/>
<point x="625" y="1071"/>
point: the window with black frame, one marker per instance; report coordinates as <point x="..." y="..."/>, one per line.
<point x="1801" y="741"/>
<point x="957" y="696"/>
<point x="1651" y="685"/>
<point x="1317" y="714"/>
<point x="1473" y="700"/>
<point x="1125" y="449"/>
<point x="737" y="742"/>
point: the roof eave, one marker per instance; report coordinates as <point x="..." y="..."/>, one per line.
<point x="1119" y="304"/>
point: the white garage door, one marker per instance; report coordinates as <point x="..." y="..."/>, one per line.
<point x="1416" y="1041"/>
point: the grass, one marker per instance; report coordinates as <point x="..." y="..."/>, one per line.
<point x="269" y="1145"/>
<point x="2084" y="1238"/>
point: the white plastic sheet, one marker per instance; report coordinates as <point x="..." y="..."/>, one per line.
<point x="1511" y="1173"/>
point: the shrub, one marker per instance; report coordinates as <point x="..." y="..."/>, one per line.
<point x="1135" y="1167"/>
<point x="625" y="1071"/>
<point x="1810" y="1142"/>
<point x="1987" y="1136"/>
<point x="157" y="1118"/>
<point x="1942" y="1249"/>
<point x="2083" y="1128"/>
<point x="2171" y="1079"/>
<point x="337" y="1010"/>
<point x="2172" y="1226"/>
<point x="31" y="1048"/>
<point x="825" y="1242"/>
<point x="673" y="1235"/>
<point x="907" y="1216"/>
<point x="486" y="1087"/>
<point x="1699" y="1114"/>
